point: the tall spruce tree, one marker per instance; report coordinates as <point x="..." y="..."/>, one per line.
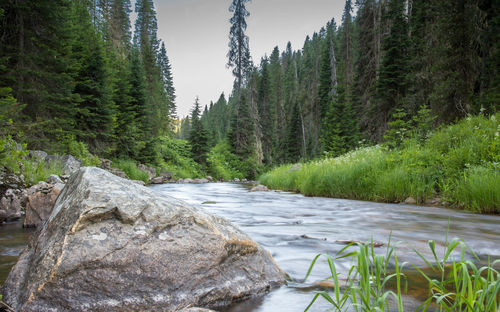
<point x="96" y="110"/>
<point x="198" y="136"/>
<point x="239" y="59"/>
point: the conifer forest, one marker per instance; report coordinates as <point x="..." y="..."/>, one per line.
<point x="76" y="79"/>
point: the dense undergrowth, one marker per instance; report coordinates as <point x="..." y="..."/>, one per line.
<point x="169" y="154"/>
<point x="460" y="164"/>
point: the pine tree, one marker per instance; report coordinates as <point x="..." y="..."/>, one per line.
<point x="239" y="59"/>
<point x="267" y="113"/>
<point x="96" y="111"/>
<point x="35" y="41"/>
<point x="392" y="83"/>
<point x="198" y="136"/>
<point x="168" y="81"/>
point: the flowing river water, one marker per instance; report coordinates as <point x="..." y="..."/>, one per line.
<point x="295" y="229"/>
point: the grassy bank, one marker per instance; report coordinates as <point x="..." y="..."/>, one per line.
<point x="460" y="164"/>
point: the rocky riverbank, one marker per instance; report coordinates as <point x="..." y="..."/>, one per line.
<point x="112" y="245"/>
<point x="35" y="202"/>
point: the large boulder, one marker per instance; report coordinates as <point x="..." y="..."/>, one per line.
<point x="41" y="200"/>
<point x="112" y="245"/>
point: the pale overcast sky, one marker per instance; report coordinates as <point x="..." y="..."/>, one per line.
<point x="196" y="35"/>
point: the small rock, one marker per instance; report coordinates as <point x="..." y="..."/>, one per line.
<point x="244" y="180"/>
<point x="70" y="164"/>
<point x="3" y="216"/>
<point x="41" y="200"/>
<point x="119" y="173"/>
<point x="209" y="178"/>
<point x="180" y="181"/>
<point x="40" y="155"/>
<point x="54" y="179"/>
<point x="236" y="180"/>
<point x="106" y="164"/>
<point x="139" y="182"/>
<point x="149" y="170"/>
<point x="259" y="188"/>
<point x="410" y="201"/>
<point x="188" y="180"/>
<point x="157" y="180"/>
<point x="167" y="175"/>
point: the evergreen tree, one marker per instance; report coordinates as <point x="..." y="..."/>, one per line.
<point x="96" y="111"/>
<point x="267" y="113"/>
<point x="168" y="81"/>
<point x="239" y="59"/>
<point x="392" y="83"/>
<point x="198" y="136"/>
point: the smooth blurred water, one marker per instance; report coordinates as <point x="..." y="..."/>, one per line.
<point x="295" y="229"/>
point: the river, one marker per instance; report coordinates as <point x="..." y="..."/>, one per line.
<point x="295" y="229"/>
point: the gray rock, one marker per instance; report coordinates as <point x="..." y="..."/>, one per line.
<point x="209" y="178"/>
<point x="188" y="181"/>
<point x="3" y="215"/>
<point x="106" y="164"/>
<point x="236" y="180"/>
<point x="149" y="170"/>
<point x="54" y="179"/>
<point x="157" y="180"/>
<point x="139" y="182"/>
<point x="11" y="204"/>
<point x="167" y="175"/>
<point x="69" y="163"/>
<point x="119" y="173"/>
<point x="40" y="203"/>
<point x="10" y="181"/>
<point x="410" y="201"/>
<point x="40" y="155"/>
<point x="196" y="310"/>
<point x="111" y="245"/>
<point x="259" y="188"/>
<point x="199" y="181"/>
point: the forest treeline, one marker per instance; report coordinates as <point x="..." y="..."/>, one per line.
<point x="72" y="74"/>
<point x="354" y="83"/>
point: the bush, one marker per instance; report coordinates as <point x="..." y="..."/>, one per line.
<point x="176" y="158"/>
<point x="80" y="151"/>
<point x="225" y="165"/>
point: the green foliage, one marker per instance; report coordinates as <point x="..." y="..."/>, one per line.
<point x="198" y="136"/>
<point x="223" y="164"/>
<point x="367" y="280"/>
<point x="36" y="170"/>
<point x="130" y="168"/>
<point x="80" y="151"/>
<point x="459" y="163"/>
<point x="176" y="158"/>
<point x="11" y="154"/>
<point x="478" y="189"/>
<point x="462" y="286"/>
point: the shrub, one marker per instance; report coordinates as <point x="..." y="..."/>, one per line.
<point x="225" y="165"/>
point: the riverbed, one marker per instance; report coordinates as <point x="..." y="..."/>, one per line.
<point x="295" y="228"/>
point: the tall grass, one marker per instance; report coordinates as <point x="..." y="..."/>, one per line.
<point x="130" y="168"/>
<point x="460" y="164"/>
<point x="36" y="170"/>
<point x="462" y="286"/>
